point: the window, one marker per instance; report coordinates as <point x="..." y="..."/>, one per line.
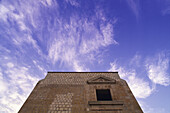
<point x="103" y="95"/>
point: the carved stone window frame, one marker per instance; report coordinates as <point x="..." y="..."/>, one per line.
<point x="103" y="82"/>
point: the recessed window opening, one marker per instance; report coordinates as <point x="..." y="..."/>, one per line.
<point x="103" y="95"/>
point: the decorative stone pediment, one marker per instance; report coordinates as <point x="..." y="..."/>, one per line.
<point x="101" y="80"/>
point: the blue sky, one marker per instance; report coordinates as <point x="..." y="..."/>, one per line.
<point x="128" y="36"/>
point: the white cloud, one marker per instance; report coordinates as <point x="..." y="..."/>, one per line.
<point x="139" y="87"/>
<point x="49" y="2"/>
<point x="134" y="5"/>
<point x="68" y="42"/>
<point x="73" y="43"/>
<point x="8" y="12"/>
<point x="136" y="60"/>
<point x="29" y="39"/>
<point x="158" y="69"/>
<point x="22" y="15"/>
<point x="38" y="66"/>
<point x="10" y="65"/>
<point x="73" y="3"/>
<point x="79" y="68"/>
<point x="115" y="68"/>
<point x="166" y="7"/>
<point x="3" y="12"/>
<point x="3" y="84"/>
<point x="79" y="41"/>
<point x="150" y="109"/>
<point x="16" y="88"/>
<point x="107" y="31"/>
<point x="166" y="11"/>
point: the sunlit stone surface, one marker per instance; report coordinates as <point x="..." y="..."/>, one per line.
<point x="75" y="92"/>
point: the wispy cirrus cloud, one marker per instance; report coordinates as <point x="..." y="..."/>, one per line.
<point x="17" y="24"/>
<point x="149" y="109"/>
<point x="136" y="60"/>
<point x="139" y="87"/>
<point x="17" y="79"/>
<point x="73" y="3"/>
<point x="16" y="83"/>
<point x="80" y="39"/>
<point x="67" y="40"/>
<point x="166" y="11"/>
<point x="82" y="42"/>
<point x="134" y="5"/>
<point x="3" y="12"/>
<point x="166" y="7"/>
<point x="3" y="84"/>
<point x="36" y="36"/>
<point x="158" y="68"/>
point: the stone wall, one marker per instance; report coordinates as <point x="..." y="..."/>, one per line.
<point x="76" y="93"/>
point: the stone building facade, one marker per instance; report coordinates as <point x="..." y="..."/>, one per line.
<point x="81" y="92"/>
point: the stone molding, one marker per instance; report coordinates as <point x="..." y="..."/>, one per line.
<point x="101" y="80"/>
<point x="105" y="102"/>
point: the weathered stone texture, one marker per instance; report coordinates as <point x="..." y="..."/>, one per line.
<point x="75" y="92"/>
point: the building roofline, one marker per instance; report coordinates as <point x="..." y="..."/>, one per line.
<point x="79" y="72"/>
